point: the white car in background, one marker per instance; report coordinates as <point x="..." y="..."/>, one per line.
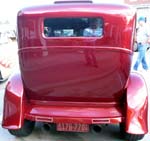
<point x="8" y="58"/>
<point x="5" y="67"/>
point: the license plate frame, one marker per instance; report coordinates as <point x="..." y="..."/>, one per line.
<point x="72" y="127"/>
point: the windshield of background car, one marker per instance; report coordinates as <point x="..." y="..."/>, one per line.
<point x="73" y="27"/>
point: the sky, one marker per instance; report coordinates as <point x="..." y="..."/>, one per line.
<point x="9" y="8"/>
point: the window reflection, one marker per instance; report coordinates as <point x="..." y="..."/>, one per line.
<point x="73" y="27"/>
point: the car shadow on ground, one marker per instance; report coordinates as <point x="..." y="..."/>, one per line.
<point x="108" y="133"/>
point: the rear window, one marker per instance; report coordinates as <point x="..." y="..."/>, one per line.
<point x="73" y="27"/>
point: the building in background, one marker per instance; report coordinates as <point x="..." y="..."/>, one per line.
<point x="137" y="2"/>
<point x="143" y="9"/>
<point x="142" y="6"/>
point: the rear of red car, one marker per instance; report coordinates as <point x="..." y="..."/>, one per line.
<point x="67" y="66"/>
<point x="68" y="78"/>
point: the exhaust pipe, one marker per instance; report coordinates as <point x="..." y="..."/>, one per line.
<point x="49" y="126"/>
<point x="96" y="128"/>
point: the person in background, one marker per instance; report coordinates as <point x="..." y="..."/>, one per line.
<point x="47" y="31"/>
<point x="142" y="38"/>
<point x="94" y="29"/>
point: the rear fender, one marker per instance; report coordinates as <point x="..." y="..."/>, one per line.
<point x="13" y="113"/>
<point x="137" y="105"/>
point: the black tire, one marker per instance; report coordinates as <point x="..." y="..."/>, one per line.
<point x="133" y="137"/>
<point x="129" y="137"/>
<point x="25" y="130"/>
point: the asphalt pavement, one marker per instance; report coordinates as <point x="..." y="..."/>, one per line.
<point x="108" y="133"/>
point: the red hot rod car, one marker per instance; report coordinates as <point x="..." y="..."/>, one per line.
<point x="75" y="61"/>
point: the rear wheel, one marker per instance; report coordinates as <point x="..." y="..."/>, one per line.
<point x="128" y="136"/>
<point x="25" y="130"/>
<point x="133" y="137"/>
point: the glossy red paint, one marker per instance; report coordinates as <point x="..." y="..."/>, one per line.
<point x="137" y="105"/>
<point x="14" y="102"/>
<point x="76" y="68"/>
<point x="75" y="79"/>
<point x="17" y="108"/>
<point x="83" y="113"/>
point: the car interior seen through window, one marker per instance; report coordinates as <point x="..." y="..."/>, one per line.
<point x="73" y="27"/>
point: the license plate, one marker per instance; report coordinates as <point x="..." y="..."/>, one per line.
<point x="72" y="127"/>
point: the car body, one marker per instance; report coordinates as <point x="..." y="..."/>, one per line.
<point x="71" y="80"/>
